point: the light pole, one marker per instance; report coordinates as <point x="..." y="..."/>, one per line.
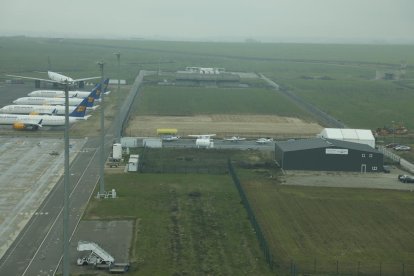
<point x="66" y="188"/>
<point x="118" y="131"/>
<point x="102" y="153"/>
<point x="393" y="132"/>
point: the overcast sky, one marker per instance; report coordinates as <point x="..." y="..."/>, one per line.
<point x="265" y="20"/>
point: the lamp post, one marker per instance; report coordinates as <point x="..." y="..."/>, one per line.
<point x="66" y="187"/>
<point x="118" y="131"/>
<point x="102" y="153"/>
<point x="393" y="132"/>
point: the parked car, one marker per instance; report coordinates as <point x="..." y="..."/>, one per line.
<point x="391" y="146"/>
<point x="406" y="178"/>
<point x="402" y="148"/>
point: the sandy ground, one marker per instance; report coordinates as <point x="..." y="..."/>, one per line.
<point x="224" y="125"/>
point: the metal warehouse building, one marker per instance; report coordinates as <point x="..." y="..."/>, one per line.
<point x="327" y="155"/>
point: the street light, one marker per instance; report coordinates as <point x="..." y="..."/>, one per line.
<point x="393" y="132"/>
<point x="118" y="131"/>
<point x="66" y="187"/>
<point x="102" y="153"/>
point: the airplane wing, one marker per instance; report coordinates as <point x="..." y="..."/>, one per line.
<point x="202" y="135"/>
<point x="29" y="78"/>
<point x="84" y="79"/>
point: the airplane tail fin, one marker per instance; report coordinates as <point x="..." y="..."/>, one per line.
<point x="105" y="85"/>
<point x="80" y="110"/>
<point x="94" y="95"/>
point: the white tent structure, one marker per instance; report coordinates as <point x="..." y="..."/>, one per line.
<point x="361" y="136"/>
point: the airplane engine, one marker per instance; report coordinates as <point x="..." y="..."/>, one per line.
<point x="19" y="126"/>
<point x="22" y="126"/>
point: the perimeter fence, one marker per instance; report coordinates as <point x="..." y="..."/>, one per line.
<point x="313" y="266"/>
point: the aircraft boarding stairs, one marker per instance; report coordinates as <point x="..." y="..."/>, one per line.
<point x="97" y="256"/>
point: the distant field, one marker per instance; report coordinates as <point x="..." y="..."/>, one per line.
<point x="314" y="226"/>
<point x="186" y="101"/>
<point x="350" y="95"/>
<point x="250" y="112"/>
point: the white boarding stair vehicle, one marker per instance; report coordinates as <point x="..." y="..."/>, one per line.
<point x="97" y="254"/>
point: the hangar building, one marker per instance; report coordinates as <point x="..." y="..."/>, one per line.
<point x="362" y="136"/>
<point x="320" y="154"/>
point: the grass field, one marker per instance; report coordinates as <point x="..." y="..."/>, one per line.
<point x="183" y="221"/>
<point x="351" y="95"/>
<point x="187" y="101"/>
<point x="309" y="225"/>
<point x="183" y="225"/>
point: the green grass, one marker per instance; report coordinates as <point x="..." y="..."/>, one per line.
<point x="326" y="225"/>
<point x="183" y="224"/>
<point x="185" y="101"/>
<point x="360" y="103"/>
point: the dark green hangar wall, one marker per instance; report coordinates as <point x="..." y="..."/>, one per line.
<point x="331" y="158"/>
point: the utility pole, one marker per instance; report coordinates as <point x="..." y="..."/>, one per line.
<point x="393" y="132"/>
<point x="66" y="188"/>
<point x="102" y="151"/>
<point x="118" y="131"/>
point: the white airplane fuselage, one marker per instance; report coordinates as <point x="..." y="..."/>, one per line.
<point x="37" y="109"/>
<point x="58" y="77"/>
<point x="46" y="120"/>
<point x="58" y="94"/>
<point x="46" y="101"/>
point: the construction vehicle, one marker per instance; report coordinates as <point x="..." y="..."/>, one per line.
<point x="398" y="129"/>
<point x="99" y="258"/>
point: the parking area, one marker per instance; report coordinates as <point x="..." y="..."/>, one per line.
<point x="348" y="180"/>
<point x="30" y="168"/>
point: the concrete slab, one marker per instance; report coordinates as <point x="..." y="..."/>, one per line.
<point x="115" y="237"/>
<point x="30" y="168"/>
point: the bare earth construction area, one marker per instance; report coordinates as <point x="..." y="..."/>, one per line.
<point x="224" y="125"/>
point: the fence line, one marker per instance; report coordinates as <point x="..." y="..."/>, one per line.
<point x="259" y="233"/>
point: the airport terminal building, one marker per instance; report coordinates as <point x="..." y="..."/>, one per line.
<point x="320" y="154"/>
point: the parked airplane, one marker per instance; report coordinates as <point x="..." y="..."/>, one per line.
<point x="204" y="140"/>
<point x="72" y="94"/>
<point x="264" y="140"/>
<point x="49" y="101"/>
<point x="34" y="122"/>
<point x="235" y="139"/>
<point x="46" y="109"/>
<point x="56" y="78"/>
<point x="170" y="138"/>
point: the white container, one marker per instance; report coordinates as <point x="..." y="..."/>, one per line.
<point x="117" y="151"/>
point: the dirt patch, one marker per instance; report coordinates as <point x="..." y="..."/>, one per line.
<point x="224" y="125"/>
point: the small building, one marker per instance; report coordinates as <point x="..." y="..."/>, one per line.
<point x="154" y="143"/>
<point x="133" y="163"/>
<point x="361" y="136"/>
<point x="130" y="142"/>
<point x="327" y="155"/>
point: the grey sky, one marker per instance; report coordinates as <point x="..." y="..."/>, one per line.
<point x="268" y="20"/>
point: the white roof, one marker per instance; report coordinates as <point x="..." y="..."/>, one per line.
<point x="347" y="134"/>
